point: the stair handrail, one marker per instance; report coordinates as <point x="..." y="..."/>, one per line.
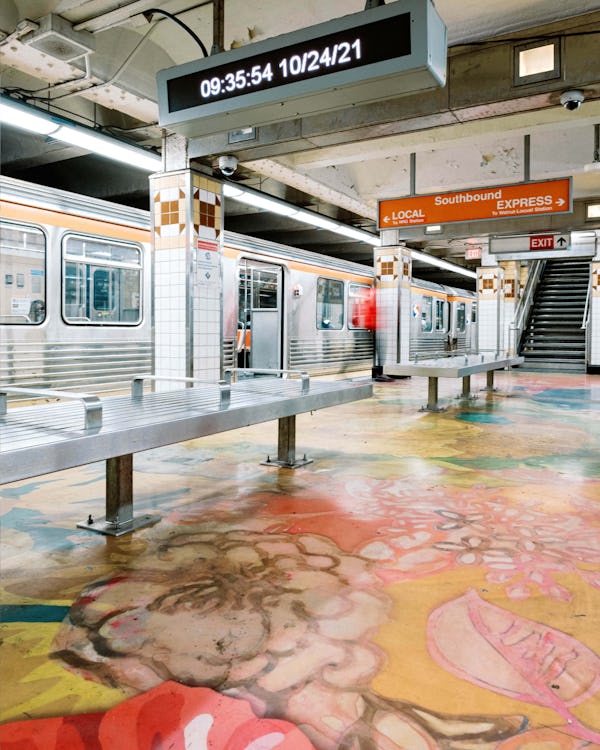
<point x="524" y="305"/>
<point x="586" y="310"/>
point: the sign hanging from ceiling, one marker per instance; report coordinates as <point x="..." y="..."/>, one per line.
<point x="377" y="54"/>
<point x="543" y="245"/>
<point x="524" y="199"/>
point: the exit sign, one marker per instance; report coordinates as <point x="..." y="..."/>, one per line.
<point x="548" y="242"/>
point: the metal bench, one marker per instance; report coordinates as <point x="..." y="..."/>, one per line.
<point x="458" y="366"/>
<point x="47" y="437"/>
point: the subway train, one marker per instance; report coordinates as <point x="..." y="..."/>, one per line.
<point x="76" y="299"/>
<point x="443" y="320"/>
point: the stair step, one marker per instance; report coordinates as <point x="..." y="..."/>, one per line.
<point x="554" y="339"/>
<point x="552" y="366"/>
<point x="553" y="354"/>
<point x="555" y="342"/>
<point x="549" y="354"/>
<point x="567" y="317"/>
<point x="556" y="330"/>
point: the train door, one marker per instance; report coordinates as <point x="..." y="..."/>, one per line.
<point x="260" y="315"/>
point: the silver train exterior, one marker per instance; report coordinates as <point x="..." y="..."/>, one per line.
<point x="293" y="309"/>
<point x="75" y="290"/>
<point x="443" y="320"/>
<point x="76" y="299"/>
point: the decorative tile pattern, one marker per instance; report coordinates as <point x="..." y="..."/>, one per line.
<point x="187" y="251"/>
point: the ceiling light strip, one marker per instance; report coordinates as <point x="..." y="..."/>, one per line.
<point x="439" y="263"/>
<point x="267" y="203"/>
<point x="34" y="120"/>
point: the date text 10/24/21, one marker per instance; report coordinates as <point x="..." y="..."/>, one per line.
<point x="311" y="62"/>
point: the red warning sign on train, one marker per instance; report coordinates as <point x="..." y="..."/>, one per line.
<point x="501" y="202"/>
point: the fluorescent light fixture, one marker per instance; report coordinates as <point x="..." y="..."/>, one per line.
<point x="433" y="229"/>
<point x="267" y="203"/>
<point x="112" y="149"/>
<point x="439" y="263"/>
<point x="315" y="220"/>
<point x="358" y="234"/>
<point x="21" y="116"/>
<point x="230" y="191"/>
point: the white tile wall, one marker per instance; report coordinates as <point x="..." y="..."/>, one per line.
<point x="594" y="332"/>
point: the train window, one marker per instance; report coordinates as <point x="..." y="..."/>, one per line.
<point x="102" y="281"/>
<point x="473" y="312"/>
<point x="426" y="313"/>
<point x="264" y="289"/>
<point x="461" y="317"/>
<point x="361" y="301"/>
<point x="23" y="268"/>
<point x="330" y="304"/>
<point x="440" y="317"/>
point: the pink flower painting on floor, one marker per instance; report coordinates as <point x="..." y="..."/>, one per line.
<point x="511" y="655"/>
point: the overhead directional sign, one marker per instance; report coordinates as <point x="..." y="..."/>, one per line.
<point x="543" y="245"/>
<point x="524" y="199"/>
<point x="374" y="55"/>
<point x="531" y="243"/>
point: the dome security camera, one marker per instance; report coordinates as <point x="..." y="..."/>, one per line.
<point x="571" y="100"/>
<point x="228" y="165"/>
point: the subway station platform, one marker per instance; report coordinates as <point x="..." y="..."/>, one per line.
<point x="431" y="580"/>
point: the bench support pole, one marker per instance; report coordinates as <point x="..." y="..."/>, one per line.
<point x="286" y="446"/>
<point x="466" y="386"/>
<point x="432" y="394"/>
<point x="119" y="501"/>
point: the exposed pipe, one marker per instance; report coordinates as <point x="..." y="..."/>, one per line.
<point x="72" y="81"/>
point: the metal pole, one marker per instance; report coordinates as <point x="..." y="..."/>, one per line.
<point x="218" y="26"/>
<point x="527" y="159"/>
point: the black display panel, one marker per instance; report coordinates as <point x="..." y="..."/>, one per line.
<point x="367" y="44"/>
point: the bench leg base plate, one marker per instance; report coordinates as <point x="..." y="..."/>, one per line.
<point x="110" y="528"/>
<point x="287" y="464"/>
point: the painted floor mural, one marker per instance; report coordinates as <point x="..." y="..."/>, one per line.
<point x="430" y="581"/>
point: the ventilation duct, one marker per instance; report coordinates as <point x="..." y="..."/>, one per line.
<point x="56" y="38"/>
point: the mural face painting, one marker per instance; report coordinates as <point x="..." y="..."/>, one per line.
<point x="431" y="581"/>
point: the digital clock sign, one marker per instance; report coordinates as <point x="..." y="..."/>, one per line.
<point x="381" y="53"/>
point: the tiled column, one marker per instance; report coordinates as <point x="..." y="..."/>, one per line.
<point x="393" y="271"/>
<point x="490" y="309"/>
<point x="594" y="318"/>
<point x="511" y="297"/>
<point x="187" y="238"/>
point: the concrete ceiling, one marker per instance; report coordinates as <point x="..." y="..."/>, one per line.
<point x="471" y="133"/>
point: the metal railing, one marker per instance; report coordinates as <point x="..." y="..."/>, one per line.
<point x="91" y="404"/>
<point x="524" y="305"/>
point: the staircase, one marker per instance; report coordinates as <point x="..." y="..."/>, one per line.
<point x="554" y="339"/>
